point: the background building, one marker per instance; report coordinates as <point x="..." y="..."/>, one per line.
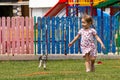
<point x="14" y="8"/>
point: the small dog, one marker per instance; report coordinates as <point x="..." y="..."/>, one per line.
<point x="42" y="59"/>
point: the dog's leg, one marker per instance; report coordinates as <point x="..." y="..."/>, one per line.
<point x="40" y="64"/>
<point x="44" y="64"/>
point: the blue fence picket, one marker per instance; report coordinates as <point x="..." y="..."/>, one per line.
<point x="53" y="35"/>
<point x="48" y="34"/>
<point x="43" y="29"/>
<point x="71" y="34"/>
<point x="106" y="35"/>
<point x="62" y="36"/>
<point x="76" y="32"/>
<point x="39" y="35"/>
<point x="99" y="32"/>
<point x="67" y="35"/>
<point x="113" y="37"/>
<point x="57" y="35"/>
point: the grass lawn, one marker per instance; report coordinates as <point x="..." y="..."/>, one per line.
<point x="59" y="70"/>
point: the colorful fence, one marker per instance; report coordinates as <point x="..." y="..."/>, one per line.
<point x="19" y="35"/>
<point x="54" y="34"/>
<point x="16" y="35"/>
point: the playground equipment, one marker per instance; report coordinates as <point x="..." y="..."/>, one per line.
<point x="85" y="2"/>
<point x="66" y="3"/>
<point x="56" y="9"/>
<point x="108" y="3"/>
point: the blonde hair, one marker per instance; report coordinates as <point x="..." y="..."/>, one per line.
<point x="88" y="18"/>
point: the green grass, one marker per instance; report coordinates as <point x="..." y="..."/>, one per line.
<point x="58" y="70"/>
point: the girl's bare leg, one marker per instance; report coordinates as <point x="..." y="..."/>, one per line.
<point x="87" y="62"/>
<point x="92" y="64"/>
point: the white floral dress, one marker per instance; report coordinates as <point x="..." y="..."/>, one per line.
<point x="87" y="41"/>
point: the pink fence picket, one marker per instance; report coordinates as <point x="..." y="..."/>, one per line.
<point x="13" y="35"/>
<point x="26" y="35"/>
<point x="8" y="34"/>
<point x="31" y="35"/>
<point x="3" y="36"/>
<point x="18" y="35"/>
<point x="22" y="35"/>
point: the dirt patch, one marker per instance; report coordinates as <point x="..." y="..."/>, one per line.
<point x="37" y="73"/>
<point x="69" y="72"/>
<point x="46" y="73"/>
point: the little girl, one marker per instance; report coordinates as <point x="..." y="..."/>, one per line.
<point x="88" y="47"/>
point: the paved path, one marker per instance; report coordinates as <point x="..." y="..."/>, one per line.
<point x="53" y="57"/>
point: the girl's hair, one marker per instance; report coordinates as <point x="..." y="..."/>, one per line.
<point x="88" y="18"/>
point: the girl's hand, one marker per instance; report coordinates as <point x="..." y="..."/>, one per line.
<point x="103" y="46"/>
<point x="70" y="44"/>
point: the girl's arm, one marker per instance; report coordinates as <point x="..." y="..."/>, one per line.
<point x="71" y="43"/>
<point x="100" y="41"/>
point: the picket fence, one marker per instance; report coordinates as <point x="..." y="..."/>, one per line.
<point x="21" y="35"/>
<point x="16" y="35"/>
<point x="55" y="33"/>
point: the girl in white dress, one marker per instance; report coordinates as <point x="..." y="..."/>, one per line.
<point x="88" y="47"/>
